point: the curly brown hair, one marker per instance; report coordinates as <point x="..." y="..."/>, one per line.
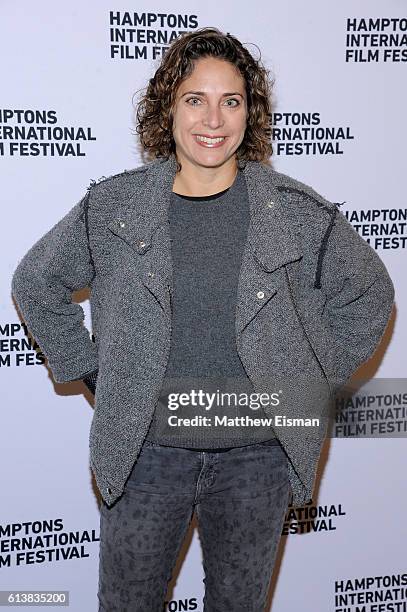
<point x="156" y="106"/>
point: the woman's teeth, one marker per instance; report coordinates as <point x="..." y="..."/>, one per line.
<point x="210" y="140"/>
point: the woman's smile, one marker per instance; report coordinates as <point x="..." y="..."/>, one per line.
<point x="211" y="143"/>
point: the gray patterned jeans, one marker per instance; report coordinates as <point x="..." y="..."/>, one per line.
<point x="240" y="497"/>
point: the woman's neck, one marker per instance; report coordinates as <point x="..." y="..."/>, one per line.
<point x="198" y="183"/>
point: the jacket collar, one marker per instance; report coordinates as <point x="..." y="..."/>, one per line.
<point x="270" y="234"/>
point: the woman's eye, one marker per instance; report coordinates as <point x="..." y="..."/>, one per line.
<point x="189" y="99"/>
<point x="236" y="102"/>
<point x="233" y="100"/>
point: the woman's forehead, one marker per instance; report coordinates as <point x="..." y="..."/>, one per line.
<point x="213" y="73"/>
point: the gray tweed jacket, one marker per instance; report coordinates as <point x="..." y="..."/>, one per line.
<point x="313" y="302"/>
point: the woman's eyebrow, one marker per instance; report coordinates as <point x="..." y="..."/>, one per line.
<point x="202" y="93"/>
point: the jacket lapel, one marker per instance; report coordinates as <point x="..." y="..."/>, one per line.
<point x="270" y="241"/>
<point x="145" y="228"/>
<point x="270" y="244"/>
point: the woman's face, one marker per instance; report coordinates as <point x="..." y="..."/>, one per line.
<point x="210" y="103"/>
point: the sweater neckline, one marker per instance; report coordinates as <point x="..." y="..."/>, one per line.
<point x="213" y="196"/>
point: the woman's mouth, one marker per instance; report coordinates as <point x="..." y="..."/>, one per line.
<point x="211" y="143"/>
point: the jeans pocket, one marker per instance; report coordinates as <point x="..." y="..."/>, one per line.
<point x="271" y="442"/>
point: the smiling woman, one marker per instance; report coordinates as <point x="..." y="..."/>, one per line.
<point x="208" y="271"/>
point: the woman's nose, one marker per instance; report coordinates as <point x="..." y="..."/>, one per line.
<point x="214" y="117"/>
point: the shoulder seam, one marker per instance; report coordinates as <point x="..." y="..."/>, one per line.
<point x="302" y="189"/>
<point x="318" y="202"/>
<point x="105" y="179"/>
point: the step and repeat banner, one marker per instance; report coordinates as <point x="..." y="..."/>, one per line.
<point x="71" y="77"/>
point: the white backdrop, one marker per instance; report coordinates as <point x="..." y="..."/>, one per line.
<point x="340" y="69"/>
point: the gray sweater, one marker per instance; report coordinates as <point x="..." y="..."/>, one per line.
<point x="208" y="235"/>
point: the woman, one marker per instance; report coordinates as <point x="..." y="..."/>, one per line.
<point x="209" y="273"/>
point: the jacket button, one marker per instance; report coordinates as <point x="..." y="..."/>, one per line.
<point x="122" y="224"/>
<point x="270" y="204"/>
<point x="260" y="295"/>
<point x="109" y="490"/>
<point x="142" y="243"/>
<point x="151" y="274"/>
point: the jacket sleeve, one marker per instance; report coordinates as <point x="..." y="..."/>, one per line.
<point x="42" y="284"/>
<point x="91" y="381"/>
<point x="359" y="297"/>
